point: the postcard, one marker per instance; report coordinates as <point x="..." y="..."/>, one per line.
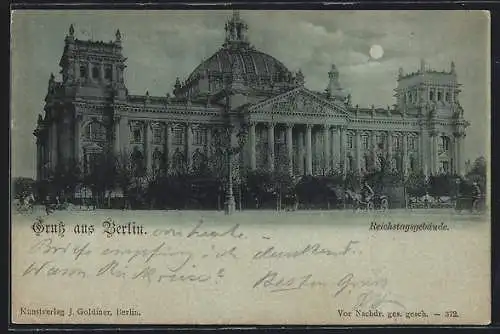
<point x="246" y="167"/>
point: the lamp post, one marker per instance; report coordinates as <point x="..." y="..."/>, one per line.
<point x="230" y="151"/>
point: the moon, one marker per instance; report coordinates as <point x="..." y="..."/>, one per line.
<point x="376" y="51"/>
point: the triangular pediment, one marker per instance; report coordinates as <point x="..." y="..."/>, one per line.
<point x="298" y="100"/>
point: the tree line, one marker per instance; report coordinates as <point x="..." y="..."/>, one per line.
<point x="114" y="181"/>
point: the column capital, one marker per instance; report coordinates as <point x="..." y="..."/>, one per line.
<point x="309" y="126"/>
<point x="289" y="125"/>
<point x="326" y="126"/>
<point x="271" y="124"/>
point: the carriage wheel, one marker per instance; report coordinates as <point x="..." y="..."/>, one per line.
<point x="384" y="205"/>
<point x="369" y="206"/>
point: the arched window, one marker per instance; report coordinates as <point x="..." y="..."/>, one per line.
<point x="137" y="159"/>
<point x="108" y="72"/>
<point x="95" y="131"/>
<point x="178" y="162"/>
<point x="83" y="71"/>
<point x="413" y="165"/>
<point x="199" y="162"/>
<point x="95" y="72"/>
<point x="444" y="144"/>
<point x="157" y="160"/>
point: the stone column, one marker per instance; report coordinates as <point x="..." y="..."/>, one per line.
<point x="422" y="151"/>
<point x="251" y="140"/>
<point x="270" y="141"/>
<point x="300" y="153"/>
<point x="333" y="148"/>
<point x="54" y="155"/>
<point x="38" y="158"/>
<point x="89" y="71"/>
<point x="117" y="144"/>
<point x="405" y="153"/>
<point x="343" y="150"/>
<point x="208" y="149"/>
<point x="460" y="153"/>
<point x="102" y="71"/>
<point x="168" y="145"/>
<point x="373" y="150"/>
<point x="434" y="152"/>
<point x="389" y="150"/>
<point x="358" y="151"/>
<point x="189" y="149"/>
<point x="327" y="147"/>
<point x="309" y="149"/>
<point x="289" y="146"/>
<point x="77" y="69"/>
<point x="113" y="73"/>
<point x="76" y="140"/>
<point x="148" y="146"/>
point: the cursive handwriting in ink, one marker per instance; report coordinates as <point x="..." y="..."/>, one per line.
<point x="275" y="283"/>
<point x="310" y="249"/>
<point x="199" y="232"/>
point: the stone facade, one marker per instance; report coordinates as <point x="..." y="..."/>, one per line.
<point x="288" y="126"/>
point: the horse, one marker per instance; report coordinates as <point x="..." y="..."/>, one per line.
<point x="357" y="201"/>
<point x="25" y="204"/>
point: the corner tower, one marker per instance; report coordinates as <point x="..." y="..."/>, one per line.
<point x="428" y="90"/>
<point x="93" y="68"/>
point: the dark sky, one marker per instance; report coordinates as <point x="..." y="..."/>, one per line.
<point x="161" y="45"/>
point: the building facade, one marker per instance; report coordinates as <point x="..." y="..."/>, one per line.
<point x="286" y="126"/>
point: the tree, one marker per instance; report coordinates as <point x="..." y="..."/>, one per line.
<point x="100" y="175"/>
<point x="22" y="186"/>
<point x="124" y="175"/>
<point x="478" y="172"/>
<point x="416" y="184"/>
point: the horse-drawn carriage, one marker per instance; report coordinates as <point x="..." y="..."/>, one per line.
<point x="378" y="202"/>
<point x="24" y="204"/>
<point x="470" y="203"/>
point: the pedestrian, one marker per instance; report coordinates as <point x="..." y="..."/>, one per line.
<point x="476" y="195"/>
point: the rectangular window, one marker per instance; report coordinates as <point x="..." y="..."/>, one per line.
<point x="381" y="141"/>
<point x="178" y="136"/>
<point x="108" y="72"/>
<point x="396" y="142"/>
<point x="157" y="136"/>
<point x="411" y="143"/>
<point x="448" y="97"/>
<point x="431" y="95"/>
<point x="137" y="135"/>
<point x="199" y="137"/>
<point x="350" y="141"/>
<point x="440" y="96"/>
<point x="364" y="140"/>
